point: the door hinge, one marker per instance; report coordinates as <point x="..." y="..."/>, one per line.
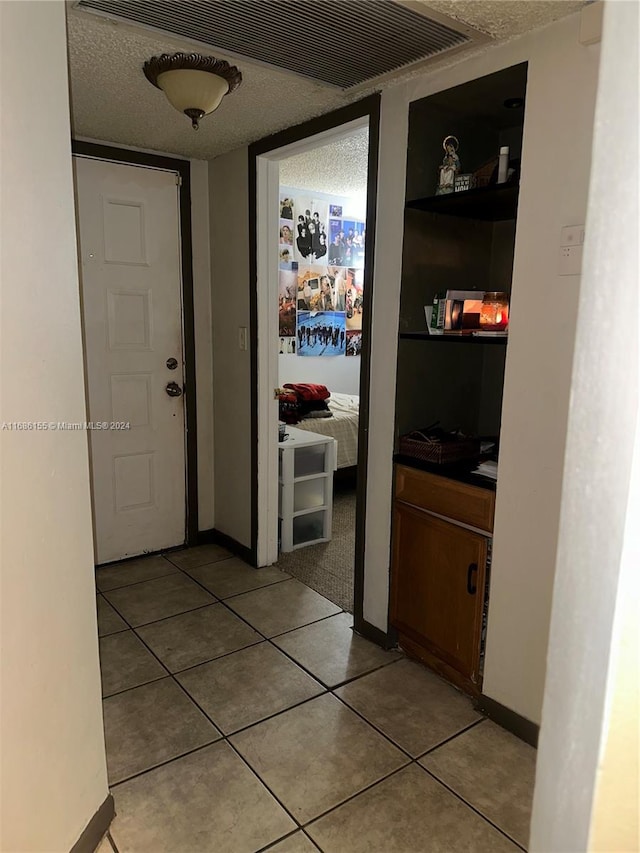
<point x="178" y="180"/>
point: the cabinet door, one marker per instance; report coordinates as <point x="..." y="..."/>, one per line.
<point x="438" y="587"/>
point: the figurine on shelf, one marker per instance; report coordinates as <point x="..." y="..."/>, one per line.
<point x="450" y="166"/>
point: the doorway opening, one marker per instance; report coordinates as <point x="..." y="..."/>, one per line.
<point x="314" y="209"/>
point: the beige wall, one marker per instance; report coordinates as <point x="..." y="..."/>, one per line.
<point x="229" y="222"/>
<point x="53" y="759"/>
<point x="588" y="758"/>
<point x="555" y="164"/>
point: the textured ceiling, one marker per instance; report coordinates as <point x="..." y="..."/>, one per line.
<point x="112" y="101"/>
<point x="339" y="168"/>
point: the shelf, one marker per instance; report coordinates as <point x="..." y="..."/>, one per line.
<point x="492" y="204"/>
<point x="309" y="510"/>
<point x="453" y="339"/>
<point x="306" y="478"/>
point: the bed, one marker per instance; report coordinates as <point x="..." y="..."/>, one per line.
<point x="343" y="426"/>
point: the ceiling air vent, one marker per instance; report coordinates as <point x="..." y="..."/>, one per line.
<point x="342" y="43"/>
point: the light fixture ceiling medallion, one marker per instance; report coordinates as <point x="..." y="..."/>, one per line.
<point x="193" y="84"/>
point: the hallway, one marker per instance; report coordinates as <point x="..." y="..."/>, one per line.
<point x="242" y="714"/>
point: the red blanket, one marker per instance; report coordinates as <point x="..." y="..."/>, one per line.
<point x="309" y="392"/>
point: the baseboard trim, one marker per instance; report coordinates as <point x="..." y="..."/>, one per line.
<point x="216" y="537"/>
<point x="370" y="632"/>
<point x="510" y="720"/>
<point x="96" y="829"/>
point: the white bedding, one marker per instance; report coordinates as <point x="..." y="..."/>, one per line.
<point x="343" y="426"/>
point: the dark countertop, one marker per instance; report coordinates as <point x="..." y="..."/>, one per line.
<point x="462" y="471"/>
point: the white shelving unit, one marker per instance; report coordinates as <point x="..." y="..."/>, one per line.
<point x="306" y="464"/>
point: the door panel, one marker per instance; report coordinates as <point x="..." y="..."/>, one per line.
<point x="128" y="223"/>
<point x="438" y="586"/>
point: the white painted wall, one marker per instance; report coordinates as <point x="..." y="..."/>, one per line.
<point x="339" y="373"/>
<point x="587" y="784"/>
<point x="53" y="758"/>
<point x="555" y="165"/>
<point x="229" y="224"/>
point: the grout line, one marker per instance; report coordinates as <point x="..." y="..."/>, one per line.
<point x="282" y="838"/>
<point x="229" y="556"/>
<point x="255" y="589"/>
<point x="277" y="714"/>
<point x="472" y="807"/>
<point x="135" y="687"/>
<point x="155" y="621"/>
<point x="452" y="737"/>
<point x="356" y="795"/>
<point x="164" y="763"/>
<point x="315" y="843"/>
<point x="374" y="727"/>
<point x="366" y="672"/>
<point x="218" y="657"/>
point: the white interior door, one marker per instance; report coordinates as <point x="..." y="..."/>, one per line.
<point x="128" y="226"/>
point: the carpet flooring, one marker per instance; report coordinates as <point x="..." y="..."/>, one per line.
<point x="328" y="568"/>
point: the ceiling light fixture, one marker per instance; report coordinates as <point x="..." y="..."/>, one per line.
<point x="193" y="84"/>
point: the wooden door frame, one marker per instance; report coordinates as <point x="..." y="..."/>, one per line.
<point x="367" y="107"/>
<point x="127" y="157"/>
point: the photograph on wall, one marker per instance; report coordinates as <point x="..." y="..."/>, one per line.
<point x="354" y="342"/>
<point x="310" y="229"/>
<point x="321" y="333"/>
<point x="285" y="258"/>
<point x="338" y="277"/>
<point x="346" y="242"/>
<point x="286" y="233"/>
<point x="335" y="210"/>
<point x="287" y="346"/>
<point x="288" y="282"/>
<point x="308" y="283"/>
<point x="354" y="298"/>
<point x="286" y="206"/>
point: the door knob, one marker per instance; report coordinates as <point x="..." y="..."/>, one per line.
<point x="173" y="389"/>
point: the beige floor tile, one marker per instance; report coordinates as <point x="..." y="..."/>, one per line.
<point x="332" y="651"/>
<point x="151" y="724"/>
<point x="132" y="571"/>
<point x="109" y="622"/>
<point x="198" y="556"/>
<point x="316" y="755"/>
<point x="242" y="688"/>
<point x="408" y="813"/>
<point x="494" y="771"/>
<point x="234" y="576"/>
<point x="198" y="636"/>
<point x="411" y="705"/>
<point x="158" y="599"/>
<point x="125" y="663"/>
<point x="296" y="843"/>
<point x="206" y="802"/>
<point x="281" y="607"/>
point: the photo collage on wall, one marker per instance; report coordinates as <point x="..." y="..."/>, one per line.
<point x="321" y="259"/>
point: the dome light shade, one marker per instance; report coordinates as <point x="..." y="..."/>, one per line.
<point x="194" y="84"/>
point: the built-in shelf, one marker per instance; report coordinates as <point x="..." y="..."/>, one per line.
<point x="493" y="204"/>
<point x="453" y="339"/>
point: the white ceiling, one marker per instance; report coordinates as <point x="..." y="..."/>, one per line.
<point x="112" y="101"/>
<point x="338" y="168"/>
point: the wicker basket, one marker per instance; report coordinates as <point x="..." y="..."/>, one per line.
<point x="439" y="451"/>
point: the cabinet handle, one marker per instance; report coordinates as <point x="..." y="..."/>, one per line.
<point x="471" y="587"/>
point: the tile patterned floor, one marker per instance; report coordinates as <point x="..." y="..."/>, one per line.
<point x="242" y="714"/>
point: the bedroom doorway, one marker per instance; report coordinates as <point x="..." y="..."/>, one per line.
<point x="314" y="208"/>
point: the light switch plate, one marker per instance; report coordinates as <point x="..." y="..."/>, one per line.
<point x="572" y="235"/>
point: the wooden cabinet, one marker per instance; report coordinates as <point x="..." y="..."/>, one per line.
<point x="439" y="575"/>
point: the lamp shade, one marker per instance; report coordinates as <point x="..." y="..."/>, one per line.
<point x="187" y="89"/>
<point x="193" y="84"/>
